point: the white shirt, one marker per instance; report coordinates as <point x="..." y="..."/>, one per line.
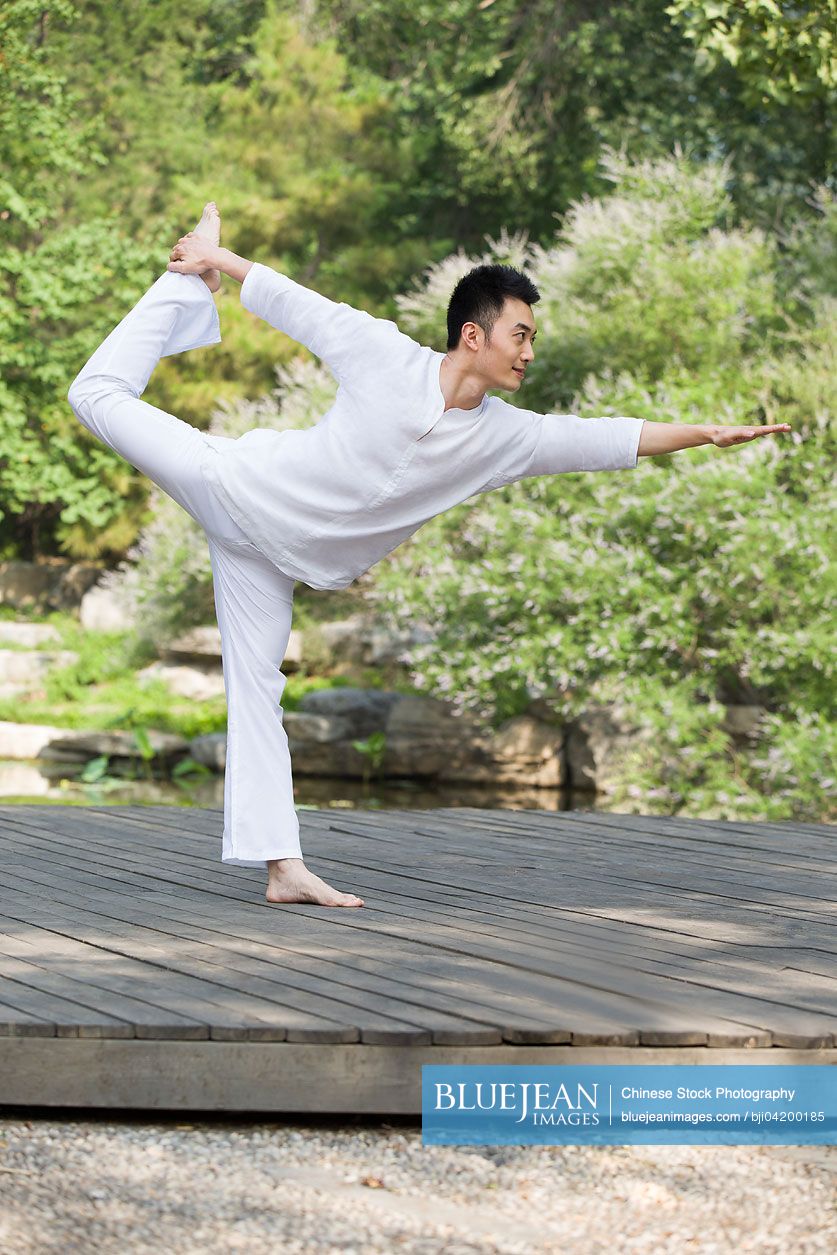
<point x="327" y="502"/>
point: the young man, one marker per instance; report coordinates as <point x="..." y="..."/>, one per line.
<point x="411" y="433"/>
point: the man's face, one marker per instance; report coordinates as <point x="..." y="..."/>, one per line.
<point x="505" y="358"/>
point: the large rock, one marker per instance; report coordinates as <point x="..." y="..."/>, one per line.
<point x="366" y="710"/>
<point x="210" y="749"/>
<point x="30" y="740"/>
<point x="26" y="585"/>
<point x="597" y="743"/>
<point x="198" y="643"/>
<point x="103" y="610"/>
<point x="528" y="750"/>
<point x="203" y="645"/>
<point x="743" y="723"/>
<point x="77" y="743"/>
<point x="25" y="669"/>
<point x="31" y="634"/>
<point x="304" y="727"/>
<point x="359" y="640"/>
<point x="53" y="584"/>
<point x="198" y="683"/>
<point x="424" y="737"/>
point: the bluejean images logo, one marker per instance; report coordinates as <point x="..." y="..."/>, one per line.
<point x="625" y="1104"/>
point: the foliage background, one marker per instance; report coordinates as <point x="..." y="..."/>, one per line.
<point x="666" y="174"/>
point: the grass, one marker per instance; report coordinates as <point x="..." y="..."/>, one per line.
<point x="100" y="689"/>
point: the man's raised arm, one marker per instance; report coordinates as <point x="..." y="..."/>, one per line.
<point x="334" y="331"/>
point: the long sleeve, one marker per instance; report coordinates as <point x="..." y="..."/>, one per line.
<point x="565" y="442"/>
<point x="339" y="334"/>
<point x="555" y="443"/>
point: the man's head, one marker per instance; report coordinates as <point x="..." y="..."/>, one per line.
<point x="490" y="323"/>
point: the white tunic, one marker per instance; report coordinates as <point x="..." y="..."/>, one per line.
<point x="327" y="502"/>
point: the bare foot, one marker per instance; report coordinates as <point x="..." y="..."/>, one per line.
<point x="289" y="880"/>
<point x="210" y="228"/>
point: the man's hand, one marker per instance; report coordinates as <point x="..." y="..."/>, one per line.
<point x="192" y="255"/>
<point x="725" y="436"/>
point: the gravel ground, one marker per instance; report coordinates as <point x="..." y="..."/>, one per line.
<point x="134" y="1184"/>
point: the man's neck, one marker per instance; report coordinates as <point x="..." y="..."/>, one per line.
<point x="461" y="388"/>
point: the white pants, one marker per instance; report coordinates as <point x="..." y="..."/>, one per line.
<point x="253" y="599"/>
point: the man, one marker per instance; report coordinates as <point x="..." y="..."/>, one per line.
<point x="411" y="433"/>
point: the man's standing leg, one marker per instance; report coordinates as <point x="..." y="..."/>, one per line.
<point x="254" y="606"/>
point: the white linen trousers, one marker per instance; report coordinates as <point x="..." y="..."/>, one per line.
<point x="253" y="598"/>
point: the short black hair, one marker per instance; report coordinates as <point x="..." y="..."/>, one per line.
<point x="479" y="297"/>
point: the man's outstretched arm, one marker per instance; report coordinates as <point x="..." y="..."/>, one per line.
<point x="669" y="437"/>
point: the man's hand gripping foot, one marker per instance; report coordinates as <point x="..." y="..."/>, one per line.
<point x="193" y="254"/>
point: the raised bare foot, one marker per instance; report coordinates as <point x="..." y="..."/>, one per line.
<point x="210" y="228"/>
<point x="289" y="880"/>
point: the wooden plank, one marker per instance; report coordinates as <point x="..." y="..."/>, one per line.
<point x="660" y="1022"/>
<point x="217" y="981"/>
<point x="179" y="992"/>
<point x="390" y="895"/>
<point x="71" y="966"/>
<point x="17" y="1023"/>
<point x="633" y="854"/>
<point x="597" y="1004"/>
<point x="349" y="992"/>
<point x="341" y="913"/>
<point x="284" y="1078"/>
<point x="664" y="892"/>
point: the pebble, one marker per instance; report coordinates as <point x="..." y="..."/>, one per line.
<point x="222" y="1185"/>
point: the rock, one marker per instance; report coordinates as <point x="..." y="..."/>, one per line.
<point x="53" y="584"/>
<point x="596" y="743"/>
<point x="78" y="743"/>
<point x="320" y="729"/>
<point x="199" y="683"/>
<point x="425" y="738"/>
<point x="23" y="668"/>
<point x="383" y="645"/>
<point x="528" y="748"/>
<point x="365" y="709"/>
<point x="103" y="610"/>
<point x="210" y="749"/>
<point x="26" y="740"/>
<point x="203" y="644"/>
<point x="28" y="633"/>
<point x="743" y="723"/>
<point x="359" y="640"/>
<point x="71" y="585"/>
<point x="343" y="639"/>
<point x="25" y="584"/>
<point x="35" y="740"/>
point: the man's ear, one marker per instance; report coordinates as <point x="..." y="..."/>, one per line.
<point x="472" y="335"/>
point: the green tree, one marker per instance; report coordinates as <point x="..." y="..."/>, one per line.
<point x="50" y="270"/>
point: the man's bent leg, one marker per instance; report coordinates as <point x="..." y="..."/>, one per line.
<point x="175" y="314"/>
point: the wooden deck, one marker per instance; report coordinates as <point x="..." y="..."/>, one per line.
<point x="138" y="971"/>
